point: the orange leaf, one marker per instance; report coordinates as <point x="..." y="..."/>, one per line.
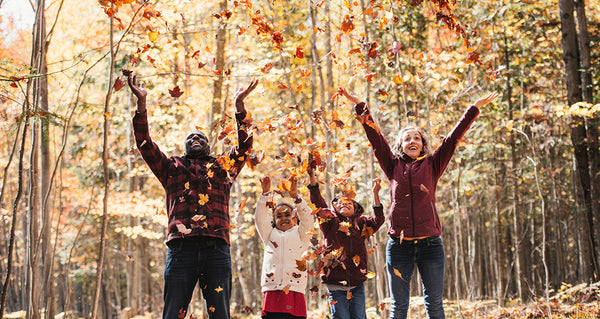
<point x="219" y="289"/>
<point x="347" y="25"/>
<point x="282" y="86"/>
<point x="356" y="260"/>
<point x="301" y="265"/>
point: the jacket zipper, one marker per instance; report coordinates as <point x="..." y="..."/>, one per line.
<point x="412" y="207"/>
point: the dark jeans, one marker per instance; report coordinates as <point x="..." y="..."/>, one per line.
<point x="204" y="261"/>
<point x="428" y="255"/>
<point x="343" y="308"/>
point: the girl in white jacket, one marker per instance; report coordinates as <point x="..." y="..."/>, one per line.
<point x="286" y="237"/>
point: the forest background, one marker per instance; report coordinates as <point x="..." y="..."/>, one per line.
<point x="82" y="219"/>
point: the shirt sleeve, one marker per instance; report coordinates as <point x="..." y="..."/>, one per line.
<point x="441" y="157"/>
<point x="240" y="152"/>
<point x="156" y="160"/>
<point x="262" y="219"/>
<point x="306" y="220"/>
<point x="380" y="145"/>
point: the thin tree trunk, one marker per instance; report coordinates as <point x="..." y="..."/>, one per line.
<point x="106" y="177"/>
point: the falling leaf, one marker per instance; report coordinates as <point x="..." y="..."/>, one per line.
<point x="153" y="35"/>
<point x="367" y="232"/>
<point x="356" y="260"/>
<point x="349" y="295"/>
<point x="397" y="79"/>
<point x="108" y="115"/>
<point x="119" y="83"/>
<point x="211" y="308"/>
<point x="175" y="92"/>
<point x="248" y="309"/>
<point x="371" y="275"/>
<point x="242" y="204"/>
<point x="299" y="53"/>
<point x="333" y="302"/>
<point x="187" y="185"/>
<point x="369" y="76"/>
<point x="277" y="38"/>
<point x="202" y="199"/>
<point x="274" y="244"/>
<point x="181" y="314"/>
<point x="219" y="289"/>
<point x="301" y="265"/>
<point x="182" y="229"/>
<point x="424" y="189"/>
<point x="267" y="68"/>
<point x="282" y="86"/>
<point x="347" y="24"/>
<point x="345" y="227"/>
<point x="286" y="289"/>
<point x="397" y="273"/>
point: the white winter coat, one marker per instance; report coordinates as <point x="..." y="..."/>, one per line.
<point x="283" y="249"/>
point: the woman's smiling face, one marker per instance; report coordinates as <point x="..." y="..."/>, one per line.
<point x="412" y="143"/>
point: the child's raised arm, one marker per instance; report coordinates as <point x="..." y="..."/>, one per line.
<point x="261" y="214"/>
<point x="376" y="189"/>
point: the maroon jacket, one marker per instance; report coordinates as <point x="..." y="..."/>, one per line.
<point x="413" y="182"/>
<point x="345" y="255"/>
<point x="197" y="189"/>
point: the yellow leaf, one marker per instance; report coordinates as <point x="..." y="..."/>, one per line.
<point x="187" y="185"/>
<point x="153" y="35"/>
<point x="371" y="275"/>
<point x="202" y="199"/>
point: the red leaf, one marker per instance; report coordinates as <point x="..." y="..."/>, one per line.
<point x="176" y="92"/>
<point x="118" y="84"/>
<point x="299" y="53"/>
<point x="347" y="25"/>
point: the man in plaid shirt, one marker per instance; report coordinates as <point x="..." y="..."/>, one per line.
<point x="197" y="188"/>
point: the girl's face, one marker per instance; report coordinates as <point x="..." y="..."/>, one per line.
<point x="412" y="143"/>
<point x="285" y="218"/>
<point x="344" y="206"/>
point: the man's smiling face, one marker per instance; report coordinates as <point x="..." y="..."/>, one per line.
<point x="196" y="144"/>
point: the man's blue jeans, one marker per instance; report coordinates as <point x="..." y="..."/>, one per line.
<point x="346" y="309"/>
<point x="428" y="255"/>
<point x="204" y="262"/>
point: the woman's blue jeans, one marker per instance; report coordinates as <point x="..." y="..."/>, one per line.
<point x="343" y="308"/>
<point x="428" y="255"/>
<point x="191" y="262"/>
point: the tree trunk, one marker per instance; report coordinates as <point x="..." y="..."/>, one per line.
<point x="106" y="177"/>
<point x="578" y="138"/>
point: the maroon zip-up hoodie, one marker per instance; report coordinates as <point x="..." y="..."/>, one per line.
<point x="413" y="182"/>
<point x="345" y="255"/>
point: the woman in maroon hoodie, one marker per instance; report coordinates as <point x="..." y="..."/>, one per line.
<point x="345" y="231"/>
<point x="414" y="226"/>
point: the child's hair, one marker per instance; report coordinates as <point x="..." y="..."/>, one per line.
<point x="275" y="216"/>
<point x="397" y="148"/>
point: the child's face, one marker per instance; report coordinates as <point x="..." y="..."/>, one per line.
<point x="344" y="206"/>
<point x="285" y="218"/>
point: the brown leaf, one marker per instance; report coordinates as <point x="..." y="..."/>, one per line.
<point x="118" y="84"/>
<point x="175" y="92"/>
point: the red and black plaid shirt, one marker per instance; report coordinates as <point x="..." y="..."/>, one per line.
<point x="197" y="189"/>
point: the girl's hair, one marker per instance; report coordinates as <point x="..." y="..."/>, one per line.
<point x="397" y="148"/>
<point x="275" y="216"/>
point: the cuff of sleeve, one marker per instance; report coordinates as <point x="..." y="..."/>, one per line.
<point x="316" y="186"/>
<point x="378" y="207"/>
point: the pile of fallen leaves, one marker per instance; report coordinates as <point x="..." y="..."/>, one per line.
<point x="580" y="301"/>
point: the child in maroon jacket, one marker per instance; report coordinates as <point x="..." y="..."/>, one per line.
<point x="345" y="256"/>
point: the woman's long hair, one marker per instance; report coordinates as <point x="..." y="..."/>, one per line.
<point x="397" y="148"/>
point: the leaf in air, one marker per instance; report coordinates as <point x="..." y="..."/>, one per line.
<point x="347" y="24"/>
<point x="299" y="53"/>
<point x="202" y="199"/>
<point x="119" y="83"/>
<point x="153" y="35"/>
<point x="175" y="92"/>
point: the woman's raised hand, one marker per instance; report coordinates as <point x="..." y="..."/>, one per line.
<point x="484" y="101"/>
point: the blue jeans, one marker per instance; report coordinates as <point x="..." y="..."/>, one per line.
<point x="428" y="255"/>
<point x="191" y="262"/>
<point x="348" y="309"/>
